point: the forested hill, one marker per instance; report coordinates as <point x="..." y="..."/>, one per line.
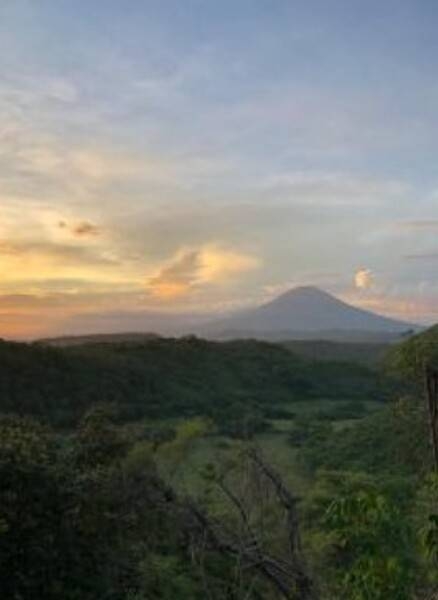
<point x="370" y="354"/>
<point x="169" y="378"/>
<point x="415" y="354"/>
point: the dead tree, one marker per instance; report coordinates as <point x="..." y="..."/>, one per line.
<point x="303" y="584"/>
<point x="430" y="595"/>
<point x="431" y="389"/>
<point x="286" y="572"/>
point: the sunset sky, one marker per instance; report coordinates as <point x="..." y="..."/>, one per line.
<point x="205" y="155"/>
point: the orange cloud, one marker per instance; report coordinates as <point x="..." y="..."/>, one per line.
<point x="363" y="279"/>
<point x="190" y="269"/>
<point x="410" y="309"/>
<point x="8" y="248"/>
<point x="220" y="264"/>
<point x="177" y="278"/>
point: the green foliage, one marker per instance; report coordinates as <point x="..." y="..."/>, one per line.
<point x="373" y="540"/>
<point x="364" y="353"/>
<point x="411" y="357"/>
<point x="172" y="454"/>
<point x="81" y="520"/>
<point x="360" y="537"/>
<point x="308" y="430"/>
<point x="241" y="420"/>
<point x="232" y="383"/>
<point x="167" y="578"/>
<point x="87" y="510"/>
<point x="98" y="441"/>
<point x="392" y="440"/>
<point x="342" y="411"/>
<point x="425" y="523"/>
<point x="29" y="508"/>
<point x="431" y="537"/>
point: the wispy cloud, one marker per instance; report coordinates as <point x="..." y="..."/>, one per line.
<point x="81" y="229"/>
<point x="412" y="307"/>
<point x="426" y="256"/>
<point x="178" y="277"/>
<point x="418" y="226"/>
<point x="178" y="166"/>
<point x="190" y="269"/>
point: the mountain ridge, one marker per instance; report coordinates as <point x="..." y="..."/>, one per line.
<point x="307" y="312"/>
<point x="301" y="313"/>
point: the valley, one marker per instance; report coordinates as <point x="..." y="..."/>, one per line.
<point x="209" y="439"/>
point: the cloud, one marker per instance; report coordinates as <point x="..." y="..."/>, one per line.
<point x="190" y="269"/>
<point x="62" y="90"/>
<point x="177" y="278"/>
<point x="82" y="229"/>
<point x="219" y="264"/>
<point x="337" y="189"/>
<point x="86" y="229"/>
<point x="8" y="248"/>
<point x="56" y="253"/>
<point x="30" y="266"/>
<point x="419" y="225"/>
<point x="363" y="279"/>
<point x="422" y="256"/>
<point x="407" y="307"/>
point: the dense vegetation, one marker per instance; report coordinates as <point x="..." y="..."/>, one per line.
<point x="197" y="470"/>
<point x="162" y="378"/>
<point x="411" y="357"/>
<point x="364" y="353"/>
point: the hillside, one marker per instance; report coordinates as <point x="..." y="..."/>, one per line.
<point x="364" y="353"/>
<point x="170" y="378"/>
<point x="411" y="356"/>
<point x="303" y="313"/>
<point x="98" y="338"/>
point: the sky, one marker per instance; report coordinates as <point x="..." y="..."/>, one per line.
<point x="204" y="156"/>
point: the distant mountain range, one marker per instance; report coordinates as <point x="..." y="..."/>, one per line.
<point x="303" y="313"/>
<point x="308" y="313"/>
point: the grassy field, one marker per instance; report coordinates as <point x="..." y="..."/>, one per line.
<point x="275" y="445"/>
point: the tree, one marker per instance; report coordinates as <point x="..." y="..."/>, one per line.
<point x="372" y="542"/>
<point x="30" y="502"/>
